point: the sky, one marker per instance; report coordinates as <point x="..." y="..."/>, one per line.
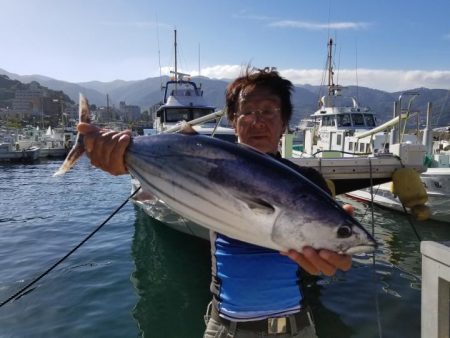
<point x="390" y="45"/>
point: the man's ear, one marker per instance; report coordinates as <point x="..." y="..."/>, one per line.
<point x="234" y="123"/>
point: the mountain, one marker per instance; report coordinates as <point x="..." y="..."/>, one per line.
<point x="71" y="89"/>
<point x="8" y="88"/>
<point x="147" y="92"/>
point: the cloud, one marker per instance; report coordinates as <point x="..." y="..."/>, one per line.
<point x="382" y="79"/>
<point x="388" y="80"/>
<point x="301" y="24"/>
<point x="319" y="26"/>
<point x="214" y="72"/>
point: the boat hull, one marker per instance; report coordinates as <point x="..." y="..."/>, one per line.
<point x="160" y="211"/>
<point x="437" y="183"/>
<point x="28" y="155"/>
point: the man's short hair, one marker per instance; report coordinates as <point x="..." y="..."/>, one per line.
<point x="267" y="78"/>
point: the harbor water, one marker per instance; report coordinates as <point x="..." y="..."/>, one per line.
<point x="137" y="278"/>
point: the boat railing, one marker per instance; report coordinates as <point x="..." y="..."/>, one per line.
<point x="382" y="127"/>
<point x="218" y="115"/>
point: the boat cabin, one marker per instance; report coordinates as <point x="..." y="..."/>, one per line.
<point x="184" y="101"/>
<point x="335" y="126"/>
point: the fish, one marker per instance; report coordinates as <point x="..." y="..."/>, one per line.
<point x="237" y="191"/>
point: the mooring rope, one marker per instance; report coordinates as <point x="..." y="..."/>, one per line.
<point x="377" y="304"/>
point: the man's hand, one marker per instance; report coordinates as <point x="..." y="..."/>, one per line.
<point x="106" y="148"/>
<point x="321" y="261"/>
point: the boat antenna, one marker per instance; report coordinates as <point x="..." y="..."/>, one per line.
<point x="199" y="69"/>
<point x="338" y="66"/>
<point x="159" y="51"/>
<point x="356" y="68"/>
<point x="175" y="46"/>
<point x="329" y="16"/>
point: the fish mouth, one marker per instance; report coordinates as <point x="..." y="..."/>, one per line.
<point x="364" y="248"/>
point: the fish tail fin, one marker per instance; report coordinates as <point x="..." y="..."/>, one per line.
<point x="78" y="148"/>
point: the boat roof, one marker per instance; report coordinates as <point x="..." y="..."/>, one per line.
<point x="341" y="110"/>
<point x="184" y="94"/>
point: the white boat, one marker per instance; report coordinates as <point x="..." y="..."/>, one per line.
<point x="54" y="142"/>
<point x="437" y="183"/>
<point x="9" y="153"/>
<point x="341" y="128"/>
<point x="183" y="102"/>
<point x="332" y="131"/>
<point x="435" y="179"/>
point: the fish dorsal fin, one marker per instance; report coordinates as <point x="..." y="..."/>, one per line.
<point x="257" y="205"/>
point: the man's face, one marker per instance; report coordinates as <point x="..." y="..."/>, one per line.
<point x="258" y="122"/>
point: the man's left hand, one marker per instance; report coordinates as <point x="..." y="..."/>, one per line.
<point x="320" y="261"/>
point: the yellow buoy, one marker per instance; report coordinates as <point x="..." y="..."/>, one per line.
<point x="406" y="184"/>
<point x="421" y="212"/>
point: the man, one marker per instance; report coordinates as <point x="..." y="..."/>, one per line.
<point x="256" y="291"/>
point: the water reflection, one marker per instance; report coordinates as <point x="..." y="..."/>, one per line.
<point x="172" y="279"/>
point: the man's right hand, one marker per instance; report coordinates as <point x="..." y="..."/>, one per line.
<point x="106" y="148"/>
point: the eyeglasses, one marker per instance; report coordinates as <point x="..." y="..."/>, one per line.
<point x="263" y="114"/>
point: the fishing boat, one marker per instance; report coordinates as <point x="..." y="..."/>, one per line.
<point x="342" y="128"/>
<point x="9" y="153"/>
<point x="342" y="140"/>
<point x="53" y="142"/>
<point x="183" y="102"/>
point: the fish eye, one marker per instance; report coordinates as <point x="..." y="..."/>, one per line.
<point x="344" y="231"/>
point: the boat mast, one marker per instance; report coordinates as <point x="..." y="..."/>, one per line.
<point x="333" y="89"/>
<point x="331" y="86"/>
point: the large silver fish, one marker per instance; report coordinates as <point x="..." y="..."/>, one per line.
<point x="238" y="191"/>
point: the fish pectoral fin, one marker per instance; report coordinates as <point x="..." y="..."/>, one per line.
<point x="257" y="205"/>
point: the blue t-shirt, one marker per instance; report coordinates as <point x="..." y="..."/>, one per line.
<point x="250" y="282"/>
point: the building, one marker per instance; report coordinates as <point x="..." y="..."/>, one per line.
<point x="129" y="112"/>
<point x="28" y="102"/>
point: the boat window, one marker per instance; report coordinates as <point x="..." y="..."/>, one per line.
<point x="201" y="112"/>
<point x="350" y="146"/>
<point x="175" y="115"/>
<point x="328" y="121"/>
<point x="361" y="147"/>
<point x="358" y="119"/>
<point x="367" y="148"/>
<point x="344" y="120"/>
<point x="370" y="121"/>
<point x="339" y="139"/>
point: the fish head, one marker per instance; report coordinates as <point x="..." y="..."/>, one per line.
<point x="335" y="231"/>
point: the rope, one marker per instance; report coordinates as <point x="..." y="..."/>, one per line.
<point x="377" y="305"/>
<point x="24" y="290"/>
<point x="409" y="218"/>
